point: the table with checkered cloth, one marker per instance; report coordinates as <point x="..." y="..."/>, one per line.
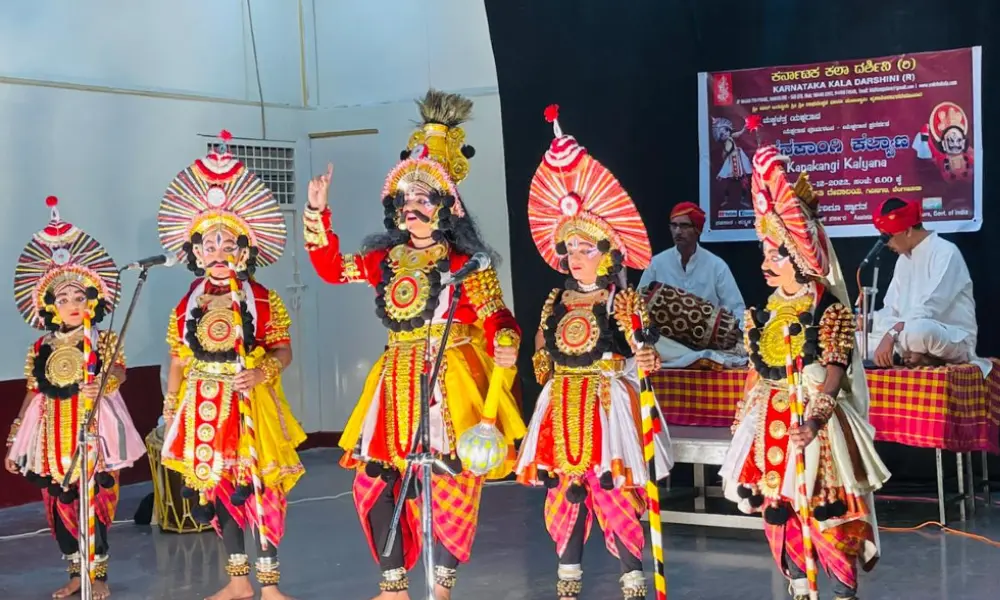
<point x="952" y="408"/>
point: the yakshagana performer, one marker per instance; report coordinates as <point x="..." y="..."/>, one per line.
<point x="841" y="468"/>
<point x="230" y="431"/>
<point x="584" y="442"/>
<point x="66" y="283"/>
<point x="429" y="235"/>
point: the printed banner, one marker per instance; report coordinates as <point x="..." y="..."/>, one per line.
<point x="862" y="130"/>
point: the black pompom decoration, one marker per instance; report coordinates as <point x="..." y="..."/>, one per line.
<point x="404" y="154"/>
<point x="561" y="249"/>
<point x="242" y="241"/>
<point x="794" y="328"/>
<point x="806" y="318"/>
<point x="241" y="495"/>
<point x="203" y="513"/>
<point x="468" y="151"/>
<point x="576" y="494"/>
<point x="821" y="512"/>
<point x="776" y="515"/>
<point x="69" y="496"/>
<point x="105" y="480"/>
<point x="188" y="493"/>
<point x="607" y="481"/>
<point x="744" y="492"/>
<point x="550" y="480"/>
<point x="187" y="247"/>
<point x="196" y="238"/>
<point x="604" y="246"/>
<point x="55" y="489"/>
<point x="389" y="475"/>
<point x="49" y="297"/>
<point x="756" y="501"/>
<point x="835" y="510"/>
<point x="763" y="315"/>
<point x="754" y="335"/>
<point x="448" y="201"/>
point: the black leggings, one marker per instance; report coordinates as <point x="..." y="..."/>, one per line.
<point x="233" y="538"/>
<point x="68" y="544"/>
<point x="573" y="555"/>
<point x="379" y="522"/>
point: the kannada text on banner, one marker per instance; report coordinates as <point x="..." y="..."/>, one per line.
<point x="864" y="130"/>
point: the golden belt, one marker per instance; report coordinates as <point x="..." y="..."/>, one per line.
<point x="418" y="335"/>
<point x="603" y="366"/>
<point x="213" y="370"/>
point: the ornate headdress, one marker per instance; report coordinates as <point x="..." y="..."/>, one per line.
<point x="57" y="255"/>
<point x="788" y="216"/>
<point x="436" y="155"/>
<point x="572" y="193"/>
<point x="218" y="190"/>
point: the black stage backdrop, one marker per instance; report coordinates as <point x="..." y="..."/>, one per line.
<point x="625" y="76"/>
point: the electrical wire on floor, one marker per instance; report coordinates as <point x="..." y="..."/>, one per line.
<point x="944" y="528"/>
<point x="28" y="534"/>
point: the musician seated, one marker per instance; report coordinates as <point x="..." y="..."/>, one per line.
<point x="693" y="299"/>
<point x="928" y="316"/>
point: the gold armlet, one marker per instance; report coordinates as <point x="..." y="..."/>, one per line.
<point x="820" y="408"/>
<point x="314" y="233"/>
<point x="170" y="402"/>
<point x="272" y="368"/>
<point x="542" y="363"/>
<point x="112" y="385"/>
<point x="836" y="335"/>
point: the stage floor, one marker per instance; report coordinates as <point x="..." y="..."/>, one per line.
<point x="324" y="554"/>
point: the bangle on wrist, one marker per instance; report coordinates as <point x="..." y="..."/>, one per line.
<point x="271" y="367"/>
<point x="15" y="426"/>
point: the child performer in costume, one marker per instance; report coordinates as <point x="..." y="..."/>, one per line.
<point x="229" y="431"/>
<point x="429" y="235"/>
<point x="585" y="439"/>
<point x="66" y="283"/>
<point x="802" y="347"/>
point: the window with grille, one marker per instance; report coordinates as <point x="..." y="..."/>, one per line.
<point x="275" y="165"/>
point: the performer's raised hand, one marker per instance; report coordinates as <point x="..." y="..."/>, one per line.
<point x="319" y="187"/>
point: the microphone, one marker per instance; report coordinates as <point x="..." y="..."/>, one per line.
<point x="151" y="261"/>
<point x="480" y="261"/>
<point x="879" y="244"/>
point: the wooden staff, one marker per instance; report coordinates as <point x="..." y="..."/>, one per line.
<point x="246" y="416"/>
<point x="794" y="377"/>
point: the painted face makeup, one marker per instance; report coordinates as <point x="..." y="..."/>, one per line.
<point x="584" y="258"/>
<point x="71" y="304"/>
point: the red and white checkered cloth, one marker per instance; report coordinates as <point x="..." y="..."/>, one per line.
<point x="951" y="408"/>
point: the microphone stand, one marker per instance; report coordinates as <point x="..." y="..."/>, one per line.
<point x="86" y="439"/>
<point x="421" y="457"/>
<point x="868" y="294"/>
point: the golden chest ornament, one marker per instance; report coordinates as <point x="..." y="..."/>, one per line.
<point x="784" y="312"/>
<point x="409" y="288"/>
<point x="578" y="331"/>
<point x="217" y="329"/>
<point x="65" y="365"/>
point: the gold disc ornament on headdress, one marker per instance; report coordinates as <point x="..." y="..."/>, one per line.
<point x="60" y="254"/>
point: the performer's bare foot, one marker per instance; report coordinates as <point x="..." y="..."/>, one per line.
<point x="271" y="592"/>
<point x="101" y="590"/>
<point x="238" y="588"/>
<point x="392" y="596"/>
<point x="70" y="589"/>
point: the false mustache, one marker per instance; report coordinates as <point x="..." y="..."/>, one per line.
<point x="769" y="272"/>
<point x="417" y="214"/>
<point x="217" y="263"/>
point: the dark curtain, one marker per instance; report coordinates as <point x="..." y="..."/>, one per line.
<point x="625" y="77"/>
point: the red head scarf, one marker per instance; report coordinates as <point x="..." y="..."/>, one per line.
<point x="899" y="220"/>
<point x="692" y="211"/>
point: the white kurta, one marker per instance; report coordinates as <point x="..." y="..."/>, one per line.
<point x="931" y="294"/>
<point x="708" y="277"/>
